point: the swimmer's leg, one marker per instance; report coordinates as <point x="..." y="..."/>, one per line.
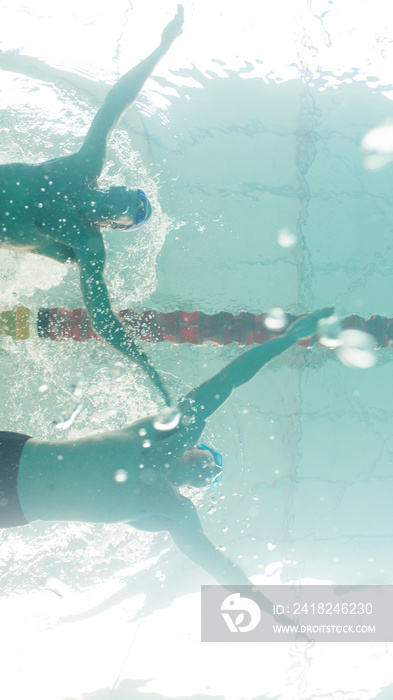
<point x="121" y="96"/>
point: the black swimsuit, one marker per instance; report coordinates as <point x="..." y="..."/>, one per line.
<point x="11" y="446"/>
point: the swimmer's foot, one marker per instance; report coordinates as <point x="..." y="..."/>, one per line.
<point x="174" y="28"/>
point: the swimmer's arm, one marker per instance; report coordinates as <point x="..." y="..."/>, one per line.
<point x="107" y="324"/>
<point x="194" y="543"/>
<point x="205" y="399"/>
<point x="86" y="247"/>
<point x="188" y="535"/>
<point x="121" y="96"/>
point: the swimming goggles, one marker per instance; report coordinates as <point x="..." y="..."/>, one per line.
<point x="142" y="215"/>
<point x="217" y="456"/>
<point x="144" y="210"/>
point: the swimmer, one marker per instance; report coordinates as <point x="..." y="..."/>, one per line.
<point x="133" y="475"/>
<point x="55" y="208"/>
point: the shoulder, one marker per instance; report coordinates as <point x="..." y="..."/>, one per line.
<point x="67" y="170"/>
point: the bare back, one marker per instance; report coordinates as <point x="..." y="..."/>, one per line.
<point x="110" y="477"/>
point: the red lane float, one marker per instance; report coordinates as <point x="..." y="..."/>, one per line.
<point x="195" y="327"/>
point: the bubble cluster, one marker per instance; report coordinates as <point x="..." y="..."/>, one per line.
<point x="357" y="349"/>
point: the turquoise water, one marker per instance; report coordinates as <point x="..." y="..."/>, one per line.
<point x="232" y="142"/>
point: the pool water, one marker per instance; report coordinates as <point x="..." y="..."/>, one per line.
<point x="251" y="124"/>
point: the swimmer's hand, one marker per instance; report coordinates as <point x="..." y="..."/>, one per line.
<point x="174" y="28"/>
<point x="307" y="325"/>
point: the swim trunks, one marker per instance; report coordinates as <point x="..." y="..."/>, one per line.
<point x="11" y="446"/>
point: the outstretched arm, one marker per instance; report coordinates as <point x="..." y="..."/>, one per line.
<point x="195" y="544"/>
<point x="121" y="96"/>
<point x="190" y="538"/>
<point x="209" y="396"/>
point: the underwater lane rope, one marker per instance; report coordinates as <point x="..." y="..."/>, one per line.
<point x="153" y="326"/>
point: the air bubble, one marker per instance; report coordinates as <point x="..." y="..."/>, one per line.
<point x="117" y="370"/>
<point x="44" y="386"/>
<point x="275" y="319"/>
<point x="378" y="145"/>
<point x="286" y="238"/>
<point x="357" y="350"/>
<point x="146" y="444"/>
<point x="142" y="432"/>
<point x="121" y="475"/>
<point x="271" y="546"/>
